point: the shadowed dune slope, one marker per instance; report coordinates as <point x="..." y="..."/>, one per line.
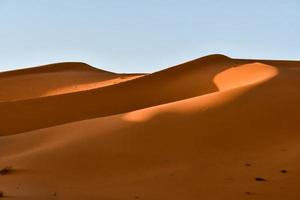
<point x="239" y="123"/>
<point x="187" y="80"/>
<point x="54" y="79"/>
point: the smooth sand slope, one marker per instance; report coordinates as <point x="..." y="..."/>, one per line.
<point x="212" y="128"/>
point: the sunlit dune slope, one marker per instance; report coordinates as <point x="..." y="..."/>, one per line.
<point x="211" y="142"/>
<point x="55" y="79"/>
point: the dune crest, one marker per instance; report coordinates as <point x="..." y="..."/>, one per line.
<point x="242" y="77"/>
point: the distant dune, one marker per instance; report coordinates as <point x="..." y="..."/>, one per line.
<point x="54" y="79"/>
<point x="212" y="128"/>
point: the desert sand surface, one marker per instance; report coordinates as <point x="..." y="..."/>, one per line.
<point x="212" y="128"/>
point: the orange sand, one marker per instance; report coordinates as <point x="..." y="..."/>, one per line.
<point x="204" y="129"/>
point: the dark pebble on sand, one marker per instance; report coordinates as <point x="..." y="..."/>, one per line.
<point x="260" y="179"/>
<point x="5" y="170"/>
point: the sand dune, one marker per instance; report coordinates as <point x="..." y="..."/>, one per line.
<point x="211" y="128"/>
<point x="55" y="79"/>
<point x="183" y="81"/>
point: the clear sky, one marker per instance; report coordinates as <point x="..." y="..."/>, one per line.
<point x="145" y="35"/>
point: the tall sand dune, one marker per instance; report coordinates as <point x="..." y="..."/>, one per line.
<point x="212" y="128"/>
<point x="183" y="81"/>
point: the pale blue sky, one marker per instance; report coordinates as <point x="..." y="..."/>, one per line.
<point x="145" y="35"/>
